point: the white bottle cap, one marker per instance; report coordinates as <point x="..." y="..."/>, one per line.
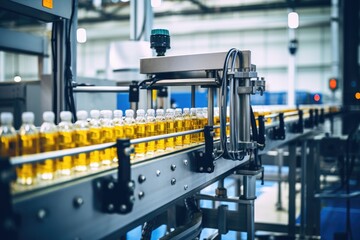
<point x="65" y="116"/>
<point x="6" y="118"/>
<point x="193" y="110"/>
<point x="28" y="117"/>
<point x="186" y="110"/>
<point x="159" y="111"/>
<point x="82" y="115"/>
<point x="95" y="114"/>
<point x="140" y="112"/>
<point x="150" y="111"/>
<point x="48" y="116"/>
<point x="118" y="113"/>
<point x="178" y="110"/>
<point x="169" y="110"/>
<point x="106" y="114"/>
<point x="129" y="113"/>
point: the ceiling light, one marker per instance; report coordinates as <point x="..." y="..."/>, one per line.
<point x="293" y="20"/>
<point x="81" y="35"/>
<point x="17" y="78"/>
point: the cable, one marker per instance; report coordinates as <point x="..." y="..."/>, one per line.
<point x="54" y="65"/>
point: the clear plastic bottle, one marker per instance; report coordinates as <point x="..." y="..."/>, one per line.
<point x="179" y="127"/>
<point x="29" y="144"/>
<point x="9" y="142"/>
<point x="81" y="128"/>
<point x="170" y="128"/>
<point x="201" y="120"/>
<point x="160" y="130"/>
<point x="66" y="141"/>
<point x="187" y="126"/>
<point x="150" y="131"/>
<point x="194" y="125"/>
<point x="107" y="135"/>
<point x="49" y="136"/>
<point x="94" y="138"/>
<point x="118" y="123"/>
<point x="140" y="126"/>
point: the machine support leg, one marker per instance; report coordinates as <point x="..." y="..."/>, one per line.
<point x="292" y="190"/>
<point x="280" y="158"/>
<point x="303" y="209"/>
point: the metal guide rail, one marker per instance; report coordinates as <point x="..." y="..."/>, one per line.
<point x="116" y="200"/>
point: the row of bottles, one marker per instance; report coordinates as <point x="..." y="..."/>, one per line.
<point x="101" y="127"/>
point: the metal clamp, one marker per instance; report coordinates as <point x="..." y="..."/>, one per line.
<point x="256" y="85"/>
<point x="117" y="195"/>
<point x="9" y="221"/>
<point x="279" y="132"/>
<point x="262" y="136"/>
<point x="205" y="160"/>
<point x="298" y="127"/>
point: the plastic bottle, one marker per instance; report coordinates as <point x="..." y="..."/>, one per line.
<point x="81" y="131"/>
<point x="179" y="127"/>
<point x="170" y="127"/>
<point x="66" y="140"/>
<point x="9" y="142"/>
<point x="161" y="129"/>
<point x="118" y="123"/>
<point x="48" y="142"/>
<point x="107" y="135"/>
<point x="140" y="126"/>
<point x="129" y="126"/>
<point x="29" y="144"/>
<point x="94" y="138"/>
<point x="187" y="126"/>
<point x="194" y="125"/>
<point x="150" y="131"/>
<point x="202" y="122"/>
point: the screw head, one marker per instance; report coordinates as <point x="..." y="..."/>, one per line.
<point x="201" y="169"/>
<point x="141" y="194"/>
<point x="186" y="162"/>
<point x="110" y="207"/>
<point x="173" y="181"/>
<point x="111" y="185"/>
<point x="123" y="208"/>
<point x="132" y="198"/>
<point x="98" y="184"/>
<point x="185" y="187"/>
<point x="158" y="172"/>
<point x="131" y="185"/>
<point x="173" y="167"/>
<point x="141" y="178"/>
<point x="78" y="201"/>
<point x="209" y="169"/>
<point x="41" y="214"/>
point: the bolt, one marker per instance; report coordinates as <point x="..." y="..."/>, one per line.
<point x="201" y="169"/>
<point x="185" y="187"/>
<point x="141" y="194"/>
<point x="41" y="214"/>
<point x="132" y="199"/>
<point x="131" y="185"/>
<point x="173" y="167"/>
<point x="134" y="89"/>
<point x="201" y="154"/>
<point x="173" y="181"/>
<point x="186" y="162"/>
<point x="78" y="201"/>
<point x="98" y="184"/>
<point x="209" y="169"/>
<point x="141" y="178"/>
<point x="129" y="150"/>
<point x="110" y="185"/>
<point x="123" y="208"/>
<point x="110" y="207"/>
<point x="158" y="172"/>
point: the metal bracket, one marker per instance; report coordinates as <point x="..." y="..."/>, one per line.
<point x="309" y="123"/>
<point x="279" y="132"/>
<point x="298" y="127"/>
<point x="205" y="160"/>
<point x="117" y="195"/>
<point x="262" y="136"/>
<point x="9" y="221"/>
<point x="256" y="85"/>
<point x="134" y="92"/>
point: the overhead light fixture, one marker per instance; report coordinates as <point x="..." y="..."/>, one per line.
<point x="81" y="35"/>
<point x="156" y="3"/>
<point x="293" y="20"/>
<point x="124" y="0"/>
<point x="17" y="78"/>
<point x="97" y="3"/>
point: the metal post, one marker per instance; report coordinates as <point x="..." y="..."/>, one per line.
<point x="280" y="158"/>
<point x="211" y="106"/>
<point x="192" y="96"/>
<point x="149" y="99"/>
<point x="334" y="42"/>
<point x="292" y="189"/>
<point x="303" y="209"/>
<point x="244" y="120"/>
<point x="249" y="193"/>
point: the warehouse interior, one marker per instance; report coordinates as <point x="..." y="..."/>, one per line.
<point x="169" y="119"/>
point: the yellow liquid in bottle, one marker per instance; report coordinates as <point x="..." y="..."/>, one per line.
<point x="29" y="144"/>
<point x="228" y="127"/>
<point x="81" y="140"/>
<point x="150" y="131"/>
<point x="203" y="122"/>
<point x="129" y="131"/>
<point x="65" y="164"/>
<point x="140" y="149"/>
<point x="118" y="134"/>
<point x="170" y="142"/>
<point x="9" y="146"/>
<point x="161" y="129"/>
<point x="217" y="123"/>
<point x="107" y="154"/>
<point x="94" y="156"/>
<point x="179" y="126"/>
<point x="48" y="142"/>
<point x="187" y="127"/>
<point x="195" y="125"/>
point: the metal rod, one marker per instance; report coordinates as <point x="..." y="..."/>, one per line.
<point x="210" y="106"/>
<point x="192" y="96"/>
<point x="244" y="112"/>
<point x="186" y="82"/>
<point x="280" y="158"/>
<point x="100" y="89"/>
<point x="149" y="98"/>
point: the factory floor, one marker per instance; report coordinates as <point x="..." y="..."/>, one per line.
<point x="333" y="212"/>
